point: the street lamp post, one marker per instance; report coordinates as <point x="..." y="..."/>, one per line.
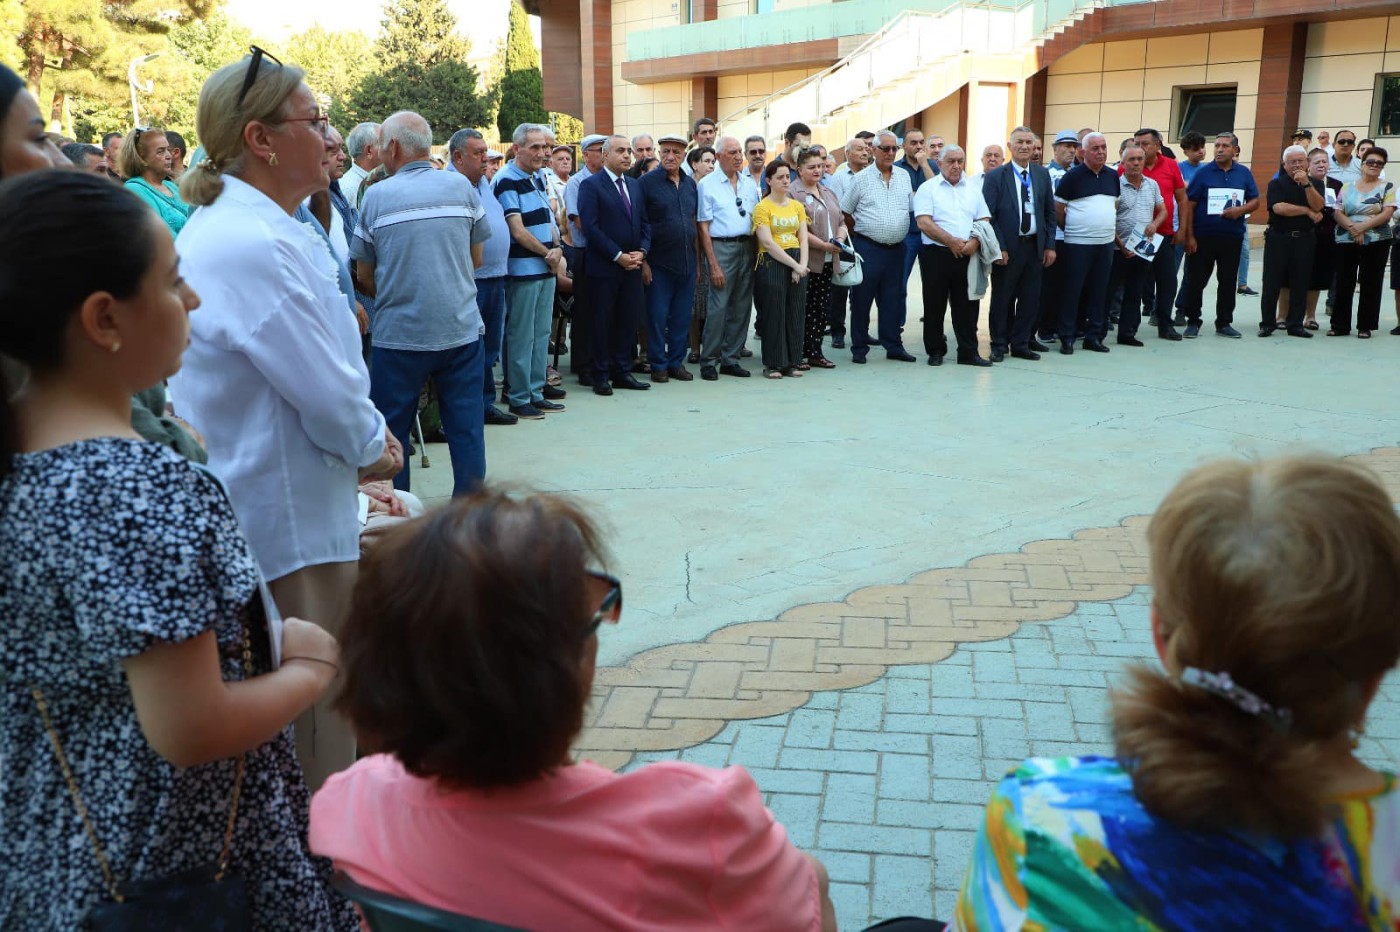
<point x="136" y="85"/>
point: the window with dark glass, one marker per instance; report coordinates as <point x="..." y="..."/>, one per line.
<point x="1207" y="110"/>
<point x="1385" y="114"/>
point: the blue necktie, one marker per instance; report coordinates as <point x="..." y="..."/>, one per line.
<point x="626" y="202"/>
<point x="1025" y="202"/>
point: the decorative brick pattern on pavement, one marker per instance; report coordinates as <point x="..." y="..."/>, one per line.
<point x="682" y="695"/>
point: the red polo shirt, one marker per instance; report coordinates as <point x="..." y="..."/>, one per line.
<point x="1167" y="174"/>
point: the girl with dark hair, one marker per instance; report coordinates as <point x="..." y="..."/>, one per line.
<point x="24" y="146"/>
<point x="139" y="707"/>
<point x="1235" y="799"/>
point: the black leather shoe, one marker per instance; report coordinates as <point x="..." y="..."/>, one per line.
<point x="1066" y="347"/>
<point x="901" y="356"/>
<point x="974" y="361"/>
<point x="1027" y="353"/>
<point x="629" y="381"/>
<point x="495" y="415"/>
<point x="1129" y="341"/>
<point x="1303" y="332"/>
<point x="602" y="388"/>
<point x="1266" y="331"/>
<point x="936" y="359"/>
<point x="745" y="353"/>
<point x="997" y="356"/>
<point x="1094" y="346"/>
<point x="549" y="407"/>
<point x="1035" y="346"/>
<point x="838" y="342"/>
<point x="709" y="374"/>
<point x="858" y="360"/>
<point x="736" y="371"/>
<point x="554" y="393"/>
<point x="1169" y="335"/>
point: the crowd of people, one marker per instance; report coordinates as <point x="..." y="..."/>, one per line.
<point x="196" y="641"/>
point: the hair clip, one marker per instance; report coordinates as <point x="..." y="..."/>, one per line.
<point x="1221" y="684"/>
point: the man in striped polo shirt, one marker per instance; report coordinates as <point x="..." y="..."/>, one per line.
<point x="1086" y="201"/>
<point x="535" y="256"/>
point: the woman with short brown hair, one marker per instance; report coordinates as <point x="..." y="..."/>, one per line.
<point x="469" y="656"/>
<point x="1236" y="799"/>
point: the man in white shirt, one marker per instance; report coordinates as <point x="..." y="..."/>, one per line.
<point x="945" y="209"/>
<point x="727" y="198"/>
<point x="363" y="146"/>
<point x="1022" y="205"/>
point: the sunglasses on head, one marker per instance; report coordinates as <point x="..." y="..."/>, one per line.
<point x="253" y="63"/>
<point x="610" y="609"/>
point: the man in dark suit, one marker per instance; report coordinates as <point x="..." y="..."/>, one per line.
<point x="611" y="212"/>
<point x="1022" y="206"/>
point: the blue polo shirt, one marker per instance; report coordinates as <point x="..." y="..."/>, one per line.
<point x="525" y="195"/>
<point x="417" y="227"/>
<point x="670" y="209"/>
<point x="1188" y="171"/>
<point x="1210" y="177"/>
<point x="916" y="178"/>
<point x="1091" y="205"/>
<point x="496" y="252"/>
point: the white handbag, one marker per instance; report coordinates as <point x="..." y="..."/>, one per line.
<point x="847" y="274"/>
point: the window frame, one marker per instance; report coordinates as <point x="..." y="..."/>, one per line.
<point x="1184" y="96"/>
<point x="1378" y="106"/>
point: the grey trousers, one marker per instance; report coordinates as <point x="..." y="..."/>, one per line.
<point x="731" y="307"/>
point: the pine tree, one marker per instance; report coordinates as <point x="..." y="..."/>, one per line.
<point x="522" y="85"/>
<point x="420" y="32"/>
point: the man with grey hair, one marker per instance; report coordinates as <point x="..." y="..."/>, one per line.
<point x="727" y="198"/>
<point x="363" y="147"/>
<point x="857" y="158"/>
<point x="536" y="256"/>
<point x="1086" y="205"/>
<point x="467" y="153"/>
<point x="1022" y="206"/>
<point x="417" y="247"/>
<point x="876" y="205"/>
<point x="581" y="319"/>
<point x="1294" y="201"/>
<point x="947" y="209"/>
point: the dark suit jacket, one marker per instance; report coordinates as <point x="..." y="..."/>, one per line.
<point x="1002" y="192"/>
<point x="606" y="225"/>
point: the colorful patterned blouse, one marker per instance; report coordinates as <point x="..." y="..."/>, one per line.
<point x="1065" y="845"/>
<point x="1361" y="205"/>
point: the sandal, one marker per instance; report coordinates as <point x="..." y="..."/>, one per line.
<point x="792" y="373"/>
<point x="821" y="362"/>
<point x="772" y="374"/>
<point x="1312" y="324"/>
<point x="1363" y="334"/>
<point x="1339" y="333"/>
<point x="802" y="367"/>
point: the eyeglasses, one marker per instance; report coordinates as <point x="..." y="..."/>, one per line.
<point x="739" y="203"/>
<point x="1374" y="163"/>
<point x="888" y="148"/>
<point x="252" y="76"/>
<point x="321" y="124"/>
<point x="758" y="152"/>
<point x="610" y="610"/>
<point x="1346" y="142"/>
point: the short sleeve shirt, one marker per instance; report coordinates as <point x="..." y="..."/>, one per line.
<point x="1169" y="180"/>
<point x="525" y="196"/>
<point x="880" y="210"/>
<point x="1136" y="205"/>
<point x="726" y="211"/>
<point x="1233" y="187"/>
<point x="783" y="221"/>
<point x="1288" y="191"/>
<point x="1091" y="205"/>
<point x="953" y="207"/>
<point x="1361" y="205"/>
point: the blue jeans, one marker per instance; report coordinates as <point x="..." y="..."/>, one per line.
<point x="491" y="301"/>
<point x="912" y="242"/>
<point x="529" y="312"/>
<point x="397" y="378"/>
<point x="1244" y="261"/>
<point x="882" y="284"/>
<point x="670" y="300"/>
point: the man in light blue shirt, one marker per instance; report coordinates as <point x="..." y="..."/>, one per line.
<point x="727" y="198"/>
<point x="421" y="237"/>
<point x="581" y="318"/>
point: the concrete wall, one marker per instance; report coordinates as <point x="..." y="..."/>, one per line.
<point x="1339" y="74"/>
<point x="1118" y="87"/>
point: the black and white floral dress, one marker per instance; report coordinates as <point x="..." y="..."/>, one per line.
<point x="111" y="546"/>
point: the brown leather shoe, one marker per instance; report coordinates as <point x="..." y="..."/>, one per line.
<point x="682" y="374"/>
<point x="659" y="375"/>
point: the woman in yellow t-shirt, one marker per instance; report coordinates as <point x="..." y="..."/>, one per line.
<point x="780" y="283"/>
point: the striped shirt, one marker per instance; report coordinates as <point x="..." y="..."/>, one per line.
<point x="525" y="196"/>
<point x="417" y="227"/>
<point x="1136" y="205"/>
<point x="1090" y="199"/>
<point x="880" y="210"/>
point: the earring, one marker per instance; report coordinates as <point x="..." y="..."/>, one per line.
<point x="116" y="346"/>
<point x="272" y="158"/>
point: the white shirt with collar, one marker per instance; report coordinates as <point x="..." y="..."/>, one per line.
<point x="717" y="196"/>
<point x="351" y="182"/>
<point x="1023" y="179"/>
<point x="953" y="207"/>
<point x="613" y="179"/>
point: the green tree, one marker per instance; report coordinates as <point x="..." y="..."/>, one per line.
<point x="567" y="129"/>
<point x="445" y="94"/>
<point x="11" y="25"/>
<point x="334" y="62"/>
<point x="421" y="32"/>
<point x="522" y="86"/>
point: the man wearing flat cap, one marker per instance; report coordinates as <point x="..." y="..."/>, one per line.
<point x="580" y="348"/>
<point x="1066" y="148"/>
<point x="670" y="200"/>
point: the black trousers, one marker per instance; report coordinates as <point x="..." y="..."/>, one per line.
<point x="1131" y="275"/>
<point x="836" y="312"/>
<point x="1086" y="275"/>
<point x="944" y="279"/>
<point x="1220" y="254"/>
<point x="1015" y="309"/>
<point x="782" y="306"/>
<point x="580" y="317"/>
<point x="617" y="310"/>
<point x="1366" y="263"/>
<point x="1051" y="287"/>
<point x="1288" y="262"/>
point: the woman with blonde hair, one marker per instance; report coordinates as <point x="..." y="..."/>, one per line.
<point x="274" y="376"/>
<point x="1236" y="799"/>
<point x="144" y="160"/>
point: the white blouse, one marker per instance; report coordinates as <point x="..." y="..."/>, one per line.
<point x="274" y="380"/>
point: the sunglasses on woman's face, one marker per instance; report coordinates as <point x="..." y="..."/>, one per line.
<point x="610" y="609"/>
<point x="1374" y="163"/>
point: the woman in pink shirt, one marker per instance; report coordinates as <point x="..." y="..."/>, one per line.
<point x="468" y="660"/>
